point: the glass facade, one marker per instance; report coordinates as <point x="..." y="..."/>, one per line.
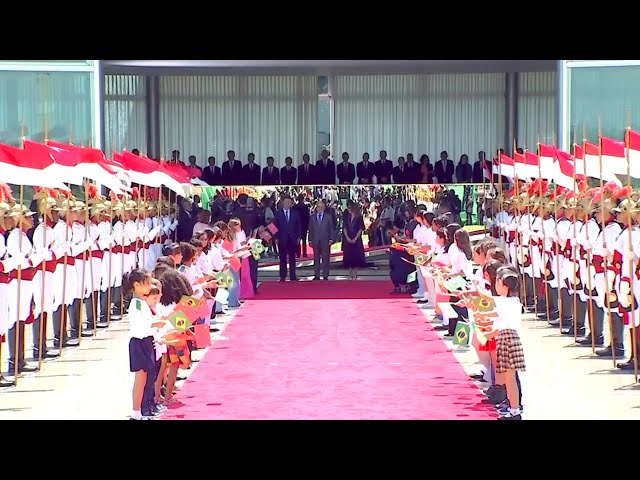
<point x="54" y="105"/>
<point x="50" y="99"/>
<point x="606" y="94"/>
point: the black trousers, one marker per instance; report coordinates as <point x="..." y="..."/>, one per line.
<point x="40" y="341"/>
<point x="91" y="306"/>
<point x="253" y="271"/>
<point x="302" y="245"/>
<point x="16" y="355"/>
<point x="287" y="253"/>
<point x="149" y="388"/>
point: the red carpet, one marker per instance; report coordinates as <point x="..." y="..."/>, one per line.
<point x="309" y="289"/>
<point x="338" y="359"/>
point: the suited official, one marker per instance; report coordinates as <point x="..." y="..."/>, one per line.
<point x="270" y="173"/>
<point x="322" y="235"/>
<point x="212" y="175"/>
<point x="345" y="171"/>
<point x="288" y="236"/>
<point x="251" y="171"/>
<point x="306" y="171"/>
<point x="365" y="170"/>
<point x="288" y="173"/>
<point x="231" y="170"/>
<point x="325" y="170"/>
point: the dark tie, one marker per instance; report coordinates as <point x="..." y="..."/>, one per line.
<point x="319" y="218"/>
<point x="286" y="214"/>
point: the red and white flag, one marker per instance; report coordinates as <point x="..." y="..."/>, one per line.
<point x="19" y="167"/>
<point x="633" y="146"/>
<point x="505" y="166"/>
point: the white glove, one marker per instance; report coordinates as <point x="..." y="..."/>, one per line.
<point x="606" y="252"/>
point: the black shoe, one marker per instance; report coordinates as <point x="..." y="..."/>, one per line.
<point x="511" y="417"/>
<point x="26" y="368"/>
<point x="607" y="353"/>
<point x="4" y="383"/>
<point x="283" y="279"/>
<point x="422" y="302"/>
<point x="566" y="322"/>
<point x="441" y="328"/>
<point x="214" y="329"/>
<point x="581" y="331"/>
<point x="587" y="341"/>
<point x="626" y="365"/>
<point x="554" y="315"/>
<point x="477" y="376"/>
<point x="45" y="354"/>
<point x="316" y="279"/>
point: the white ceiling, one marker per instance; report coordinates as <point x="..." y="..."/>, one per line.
<point x="323" y="67"/>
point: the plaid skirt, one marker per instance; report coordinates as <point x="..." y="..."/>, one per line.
<point x="510" y="354"/>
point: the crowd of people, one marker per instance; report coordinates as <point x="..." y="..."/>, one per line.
<point x="326" y="171"/>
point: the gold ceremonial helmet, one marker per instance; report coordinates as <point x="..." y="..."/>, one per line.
<point x="78" y="206"/>
<point x="21" y="211"/>
<point x="5" y="209"/>
<point x="130" y="205"/>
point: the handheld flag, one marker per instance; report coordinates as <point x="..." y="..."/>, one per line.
<point x="461" y="335"/>
<point x="412" y="277"/>
<point x="455" y="283"/>
<point x="180" y="321"/>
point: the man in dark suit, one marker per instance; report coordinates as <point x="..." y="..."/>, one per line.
<point x="231" y="169"/>
<point x="270" y="174"/>
<point x="288" y="173"/>
<point x="288" y="236"/>
<point x="325" y="170"/>
<point x="251" y="171"/>
<point x="212" y="174"/>
<point x="413" y="170"/>
<point x="322" y="235"/>
<point x="306" y="171"/>
<point x="400" y="173"/>
<point x="383" y="169"/>
<point x="443" y="169"/>
<point x="365" y="170"/>
<point x="193" y="163"/>
<point x="345" y="171"/>
<point x="302" y="209"/>
<point x="478" y="172"/>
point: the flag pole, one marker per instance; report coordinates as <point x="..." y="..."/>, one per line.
<point x="634" y="341"/>
<point x="542" y="213"/>
<point x="574" y="249"/>
<point x="530" y="214"/>
<point x="43" y="341"/>
<point x="588" y="253"/>
<point x="519" y="246"/>
<point x="484" y="200"/>
<point x="501" y="200"/>
<point x="16" y="359"/>
<point x="604" y="246"/>
<point x="109" y="269"/>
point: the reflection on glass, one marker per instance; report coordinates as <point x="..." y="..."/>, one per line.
<point x="56" y="105"/>
<point x="465" y="202"/>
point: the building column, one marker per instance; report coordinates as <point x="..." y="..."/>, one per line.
<point x="153" y="116"/>
<point x="562" y="114"/>
<point x="511" y="110"/>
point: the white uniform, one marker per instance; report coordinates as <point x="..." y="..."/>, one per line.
<point x="20" y="249"/>
<point x="94" y="274"/>
<point x="44" y="243"/>
<point x="78" y="246"/>
<point x="610" y="233"/>
<point x="569" y="275"/>
<point x="6" y="267"/>
<point x="106" y="265"/>
<point x="130" y="237"/>
<point x="548" y="230"/>
<point x="623" y="282"/>
<point x="66" y="280"/>
<point x="118" y="258"/>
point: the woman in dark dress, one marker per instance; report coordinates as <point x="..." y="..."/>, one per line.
<point x="352" y="246"/>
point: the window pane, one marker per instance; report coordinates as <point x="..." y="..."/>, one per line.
<point x="324" y="125"/>
<point x="605" y="94"/>
<point x="323" y="85"/>
<point x="53" y="104"/>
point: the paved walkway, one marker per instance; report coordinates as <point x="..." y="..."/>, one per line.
<point x="93" y="381"/>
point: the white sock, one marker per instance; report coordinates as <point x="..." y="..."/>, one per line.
<point x="136" y="415"/>
<point x="514" y="411"/>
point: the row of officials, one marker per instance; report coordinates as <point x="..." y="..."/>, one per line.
<point x="324" y="172"/>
